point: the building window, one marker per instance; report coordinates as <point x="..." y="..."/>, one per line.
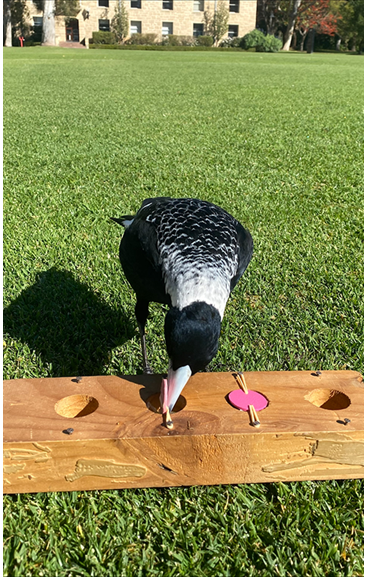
<point x="198" y="5"/>
<point x="234" y="5"/>
<point x="135" y="3"/>
<point x="103" y="3"/>
<point x="167" y="4"/>
<point x="167" y="28"/>
<point x="233" y="31"/>
<point x="198" y="30"/>
<point x="135" y="27"/>
<point x="37" y="21"/>
<point x="104" y="25"/>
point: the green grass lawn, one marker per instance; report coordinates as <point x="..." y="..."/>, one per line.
<point x="275" y="139"/>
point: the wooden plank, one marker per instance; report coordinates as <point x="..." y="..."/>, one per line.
<point x="122" y="444"/>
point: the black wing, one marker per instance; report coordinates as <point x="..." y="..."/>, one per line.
<point x="246" y="248"/>
<point x="140" y="259"/>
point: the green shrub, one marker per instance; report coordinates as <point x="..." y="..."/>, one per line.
<point x="231" y="42"/>
<point x="270" y="44"/>
<point x="252" y="39"/>
<point x="176" y="40"/>
<point x="187" y="40"/>
<point x="262" y="43"/>
<point x="160" y="47"/>
<point x="103" y="37"/>
<point x="204" y="41"/>
<point x="171" y="40"/>
<point x="141" y="39"/>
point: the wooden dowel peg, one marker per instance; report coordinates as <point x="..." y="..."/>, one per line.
<point x="242" y="383"/>
<point x="254" y="419"/>
<point x="167" y="419"/>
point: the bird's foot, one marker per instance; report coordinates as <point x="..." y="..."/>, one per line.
<point x="147" y="369"/>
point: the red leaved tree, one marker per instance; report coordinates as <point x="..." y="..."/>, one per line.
<point x="317" y="15"/>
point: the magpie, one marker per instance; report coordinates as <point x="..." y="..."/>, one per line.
<point x="188" y="254"/>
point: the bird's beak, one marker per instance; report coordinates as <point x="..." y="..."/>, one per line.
<point x="172" y="387"/>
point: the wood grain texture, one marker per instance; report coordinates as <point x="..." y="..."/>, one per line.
<point x="122" y="444"/>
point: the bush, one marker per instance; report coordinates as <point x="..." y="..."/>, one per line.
<point x="141" y="39"/>
<point x="171" y="40"/>
<point x="231" y="42"/>
<point x="262" y="43"/>
<point x="270" y="44"/>
<point x="159" y="47"/>
<point x="204" y="41"/>
<point x="103" y="37"/>
<point x="175" y="40"/>
<point x="252" y="40"/>
<point x="187" y="40"/>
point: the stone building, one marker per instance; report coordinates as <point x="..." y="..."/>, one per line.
<point x="161" y="17"/>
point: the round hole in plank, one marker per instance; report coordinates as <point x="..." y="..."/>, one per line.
<point x="76" y="406"/>
<point x="328" y="399"/>
<point x="154" y="404"/>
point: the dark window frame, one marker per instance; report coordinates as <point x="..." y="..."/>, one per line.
<point x="199" y="26"/>
<point x="103" y="3"/>
<point x="235" y="32"/>
<point x="234" y="6"/>
<point x="104" y="29"/>
<point x="139" y="26"/>
<point x="200" y="9"/>
<point x="170" y="25"/>
<point x="167" y="4"/>
<point x="39" y="22"/>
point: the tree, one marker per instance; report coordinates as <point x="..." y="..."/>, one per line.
<point x="48" y="24"/>
<point x="318" y="15"/>
<point x="120" y="22"/>
<point x="67" y="8"/>
<point x="272" y="15"/>
<point x="216" y="24"/>
<point x="51" y="9"/>
<point x="291" y="23"/>
<point x="20" y="17"/>
<point x="7" y="23"/>
<point x="351" y="22"/>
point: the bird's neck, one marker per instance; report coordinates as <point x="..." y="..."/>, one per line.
<point x="209" y="287"/>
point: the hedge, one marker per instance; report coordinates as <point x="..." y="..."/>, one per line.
<point x="159" y="47"/>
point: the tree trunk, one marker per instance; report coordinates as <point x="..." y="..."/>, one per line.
<point x="291" y="22"/>
<point x="7" y="23"/>
<point x="294" y="40"/>
<point x="311" y="40"/>
<point x="303" y="36"/>
<point x="338" y="43"/>
<point x="48" y="33"/>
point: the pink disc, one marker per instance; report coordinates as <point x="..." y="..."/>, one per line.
<point x="241" y="401"/>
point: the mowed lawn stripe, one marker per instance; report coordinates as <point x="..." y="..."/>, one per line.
<point x="275" y="139"/>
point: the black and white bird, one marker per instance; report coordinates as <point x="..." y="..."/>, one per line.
<point x="188" y="254"/>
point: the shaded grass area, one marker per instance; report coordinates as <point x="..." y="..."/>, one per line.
<point x="276" y="139"/>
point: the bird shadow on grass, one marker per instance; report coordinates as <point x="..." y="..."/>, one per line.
<point x="68" y="326"/>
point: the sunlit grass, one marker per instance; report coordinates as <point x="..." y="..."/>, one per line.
<point x="276" y="139"/>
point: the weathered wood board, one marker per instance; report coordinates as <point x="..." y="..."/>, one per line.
<point x="122" y="444"/>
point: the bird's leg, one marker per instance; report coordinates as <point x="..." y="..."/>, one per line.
<point x="146" y="366"/>
<point x="141" y="312"/>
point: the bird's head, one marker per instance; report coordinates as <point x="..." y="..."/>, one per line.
<point x="192" y="336"/>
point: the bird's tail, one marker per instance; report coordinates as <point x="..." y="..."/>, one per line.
<point x="124" y="221"/>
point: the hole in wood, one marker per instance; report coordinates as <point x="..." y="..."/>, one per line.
<point x="328" y="399"/>
<point x="154" y="404"/>
<point x="76" y="406"/>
